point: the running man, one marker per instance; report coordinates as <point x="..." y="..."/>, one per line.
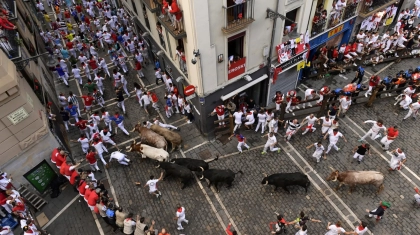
<point x="291" y="130"/>
<point x="413" y="110"/>
<point x="374" y="131"/>
<point x="152" y="183"/>
<point x="311" y="123"/>
<point x="326" y="124"/>
<point x="391" y="135"/>
<point x="241" y="141"/>
<point x="271" y="142"/>
<point x="334" y="137"/>
<point x="360" y="152"/>
<point x="397" y="160"/>
<point x="319" y="151"/>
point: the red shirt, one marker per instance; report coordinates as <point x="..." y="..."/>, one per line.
<point x="114" y="37"/>
<point x="3" y="199"/>
<point x="67" y="14"/>
<point x="335" y="53"/>
<point x="64" y="168"/>
<point x="93" y="196"/>
<point x="228" y="230"/>
<point x="78" y="8"/>
<point x="347" y="50"/>
<point x="59" y="160"/>
<point x="220" y="110"/>
<point x="279" y="99"/>
<point x="91" y="157"/>
<point x="93" y="64"/>
<point x="73" y="176"/>
<point x="82" y="188"/>
<point x="373" y="81"/>
<point x="392" y="133"/>
<point x="81" y="124"/>
<point x="88" y="101"/>
<point x="354" y="47"/>
<point x="138" y="66"/>
<point x="69" y="45"/>
<point x="240" y="138"/>
<point x="54" y="154"/>
<point x="19" y="207"/>
<point x="87" y="21"/>
<point x="87" y="193"/>
<point x="176" y="91"/>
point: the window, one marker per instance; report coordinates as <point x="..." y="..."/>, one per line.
<point x="288" y="25"/>
<point x="236" y="45"/>
<point x="134" y="7"/>
<point x="145" y="17"/>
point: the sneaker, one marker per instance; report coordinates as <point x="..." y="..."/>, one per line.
<point x="247" y="149"/>
<point x="297" y="107"/>
<point x="358" y="161"/>
<point x="178" y="129"/>
<point x="180" y="228"/>
<point x="287" y="111"/>
<point x="309" y="105"/>
<point x="338" y="149"/>
<point x="318" y="160"/>
<point x="263" y="152"/>
<point x="189" y="122"/>
<point x="293" y="114"/>
<point x="303" y="133"/>
<point x="360" y="140"/>
<point x="186" y="221"/>
<point x="354" y="64"/>
<point x="160" y="194"/>
<point x="240" y="152"/>
<point x="278" y="151"/>
<point x="100" y="171"/>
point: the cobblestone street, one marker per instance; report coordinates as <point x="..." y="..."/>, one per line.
<point x="249" y="205"/>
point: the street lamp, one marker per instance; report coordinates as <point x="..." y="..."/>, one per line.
<point x="196" y="54"/>
<point x="51" y="63"/>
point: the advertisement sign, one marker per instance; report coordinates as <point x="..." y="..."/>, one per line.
<point x="335" y="30"/>
<point x="41" y="176"/>
<point x="236" y="68"/>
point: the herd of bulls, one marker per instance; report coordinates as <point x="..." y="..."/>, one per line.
<point x="182" y="168"/>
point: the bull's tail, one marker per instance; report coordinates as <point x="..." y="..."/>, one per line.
<point x="214" y="159"/>
<point x="239" y="172"/>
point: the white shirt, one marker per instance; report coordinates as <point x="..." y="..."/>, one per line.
<point x="409" y="91"/>
<point x="319" y="148"/>
<point x="334" y="230"/>
<point x="262" y="117"/>
<point x="311" y="121"/>
<point x="308" y="92"/>
<point x="406" y="102"/>
<point x="99" y="147"/>
<point x="325" y="122"/>
<point x="375" y="127"/>
<point x="334" y="138"/>
<point x="152" y="185"/>
<point x="76" y="72"/>
<point x="340" y="5"/>
<point x="84" y="142"/>
<point x="238" y="117"/>
<point x="300" y="232"/>
<point x="272" y="140"/>
<point x="415" y="106"/>
<point x="181" y="215"/>
<point x="117" y="155"/>
<point x="360" y="232"/>
<point x="250" y="117"/>
<point x="345" y="104"/>
<point x="99" y="80"/>
<point x="145" y="99"/>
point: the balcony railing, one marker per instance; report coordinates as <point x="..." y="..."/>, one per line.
<point x="318" y="27"/>
<point x="371" y="7"/>
<point x="151" y="4"/>
<point x="166" y="22"/>
<point x="336" y="17"/>
<point x="9" y="5"/>
<point x="238" y="16"/>
<point x="10" y="43"/>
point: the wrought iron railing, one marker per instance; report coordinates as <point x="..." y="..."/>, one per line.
<point x="238" y="14"/>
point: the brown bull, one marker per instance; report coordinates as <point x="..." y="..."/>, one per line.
<point x="170" y="136"/>
<point x="150" y="137"/>
<point x="353" y="178"/>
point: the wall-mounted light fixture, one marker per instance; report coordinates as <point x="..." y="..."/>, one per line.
<point x="220" y="58"/>
<point x="196" y="54"/>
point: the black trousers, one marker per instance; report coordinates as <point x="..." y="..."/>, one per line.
<point x="358" y="79"/>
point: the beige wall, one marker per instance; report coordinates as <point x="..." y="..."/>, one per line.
<point x="16" y="94"/>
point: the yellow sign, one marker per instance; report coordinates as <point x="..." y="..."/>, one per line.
<point x="335" y="30"/>
<point x="301" y="65"/>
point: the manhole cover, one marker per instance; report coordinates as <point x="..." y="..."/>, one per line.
<point x="204" y="155"/>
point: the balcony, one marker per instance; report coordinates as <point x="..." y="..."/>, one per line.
<point x="167" y="23"/>
<point x="9" y="5"/>
<point x="318" y="27"/>
<point x="335" y="18"/>
<point x="376" y="5"/>
<point x="151" y="4"/>
<point x="10" y="43"/>
<point x="238" y="16"/>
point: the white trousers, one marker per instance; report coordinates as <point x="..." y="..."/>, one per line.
<point x="332" y="144"/>
<point x="85" y="149"/>
<point x="370" y="133"/>
<point x="262" y="123"/>
<point x="312" y="128"/>
<point x="289" y="133"/>
<point x="108" y="123"/>
<point x="125" y="89"/>
<point x="221" y="118"/>
<point x="272" y="148"/>
<point x="109" y="141"/>
<point x="79" y="79"/>
<point x="121" y="126"/>
<point x="102" y="158"/>
<point x="124" y="161"/>
<point x="358" y="156"/>
<point x="168" y="126"/>
<point x="180" y="220"/>
<point x="94" y="166"/>
<point x="317" y="154"/>
<point x="385" y="141"/>
<point x="278" y="106"/>
<point x="240" y="144"/>
<point x="85" y="131"/>
<point x="237" y="125"/>
<point x="324" y="129"/>
<point x="411" y="112"/>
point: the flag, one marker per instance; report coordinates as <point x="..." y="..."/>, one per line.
<point x="307" y="37"/>
<point x="301" y="65"/>
<point x="276" y="73"/>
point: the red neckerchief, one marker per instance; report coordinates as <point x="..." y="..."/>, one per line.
<point x="180" y="210"/>
<point x="335" y="133"/>
<point x="380" y="125"/>
<point x="82" y="138"/>
<point x="91" y="124"/>
<point x="363" y="145"/>
<point x="361" y="228"/>
<point x="384" y="207"/>
<point x="116" y="116"/>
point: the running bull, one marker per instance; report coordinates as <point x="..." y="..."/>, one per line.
<point x="193" y="164"/>
<point x="216" y="176"/>
<point x="148" y="151"/>
<point x="177" y="171"/>
<point x="287" y="179"/>
<point x="353" y="178"/>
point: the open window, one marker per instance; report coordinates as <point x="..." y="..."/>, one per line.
<point x="236" y="57"/>
<point x="288" y="25"/>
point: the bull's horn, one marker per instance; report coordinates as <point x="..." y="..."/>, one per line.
<point x="332" y="168"/>
<point x="158" y="165"/>
<point x="202" y="169"/>
<point x="265" y="175"/>
<point x="133" y="130"/>
<point x="127" y="147"/>
<point x="129" y="150"/>
<point x="202" y="177"/>
<point x="176" y="156"/>
<point x="266" y="182"/>
<point x="134" y="141"/>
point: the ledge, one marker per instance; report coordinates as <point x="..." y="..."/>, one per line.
<point x="234" y="27"/>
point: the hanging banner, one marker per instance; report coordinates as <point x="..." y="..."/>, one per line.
<point x="237" y="68"/>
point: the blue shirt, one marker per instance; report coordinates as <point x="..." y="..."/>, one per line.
<point x="59" y="71"/>
<point x="361" y="72"/>
<point x="117" y="120"/>
<point x="65" y="53"/>
<point x="72" y="110"/>
<point x="120" y="38"/>
<point x="387" y="80"/>
<point x="157" y="64"/>
<point x="168" y="102"/>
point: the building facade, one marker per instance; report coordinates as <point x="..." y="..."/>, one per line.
<point x="230" y="45"/>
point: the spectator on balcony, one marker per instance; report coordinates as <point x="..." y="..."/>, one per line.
<point x="237" y="9"/>
<point x="232" y="60"/>
<point x="5" y="23"/>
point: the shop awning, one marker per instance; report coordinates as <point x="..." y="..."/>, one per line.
<point x="250" y="84"/>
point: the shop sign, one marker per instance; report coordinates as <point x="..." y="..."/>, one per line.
<point x="236" y="68"/>
<point x="292" y="61"/>
<point x="18" y="116"/>
<point x="336" y="30"/>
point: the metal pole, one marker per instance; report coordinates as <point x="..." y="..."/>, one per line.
<point x="270" y="53"/>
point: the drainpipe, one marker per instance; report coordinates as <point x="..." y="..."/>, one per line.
<point x="270" y="53"/>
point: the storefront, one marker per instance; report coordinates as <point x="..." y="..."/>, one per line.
<point x="333" y="37"/>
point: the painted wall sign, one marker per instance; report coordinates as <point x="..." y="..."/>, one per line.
<point x="18" y="116"/>
<point x="236" y="68"/>
<point x="336" y="30"/>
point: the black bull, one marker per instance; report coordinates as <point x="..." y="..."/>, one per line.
<point x="216" y="176"/>
<point x="193" y="164"/>
<point x="287" y="179"/>
<point x="181" y="172"/>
